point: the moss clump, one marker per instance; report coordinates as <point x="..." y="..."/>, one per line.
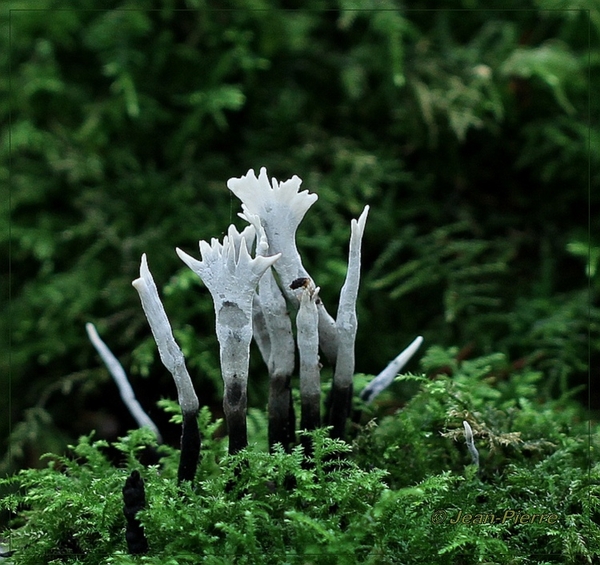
<point x="403" y="491"/>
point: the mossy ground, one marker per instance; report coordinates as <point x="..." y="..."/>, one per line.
<point x="401" y="490"/>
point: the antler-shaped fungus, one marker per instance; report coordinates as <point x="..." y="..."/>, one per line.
<point x="231" y="276"/>
<point x="280" y="207"/>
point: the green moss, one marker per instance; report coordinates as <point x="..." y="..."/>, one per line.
<point x="403" y="491"/>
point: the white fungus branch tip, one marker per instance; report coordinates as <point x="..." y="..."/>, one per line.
<point x="118" y="374"/>
<point x="347" y="321"/>
<point x="280" y="207"/>
<point x="387" y="376"/>
<point x="169" y="351"/>
<point x="470" y="443"/>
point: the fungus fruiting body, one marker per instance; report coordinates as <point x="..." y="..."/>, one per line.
<point x="308" y="347"/>
<point x="259" y="289"/>
<point x="119" y="376"/>
<point x="279" y="208"/>
<point x="347" y="326"/>
<point x="386" y="377"/>
<point x="231" y="276"/>
<point x="172" y="358"/>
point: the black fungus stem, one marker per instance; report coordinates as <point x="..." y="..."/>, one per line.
<point x="340" y="403"/>
<point x="310" y="419"/>
<point x="190" y="448"/>
<point x="234" y="406"/>
<point x="134" y="499"/>
<point x="281" y="413"/>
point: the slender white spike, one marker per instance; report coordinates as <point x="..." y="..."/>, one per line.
<point x="347" y="322"/>
<point x="470" y="443"/>
<point x="169" y="351"/>
<point x="387" y="376"/>
<point x="118" y="374"/>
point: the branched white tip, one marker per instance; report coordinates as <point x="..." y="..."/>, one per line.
<point x="227" y="269"/>
<point x="470" y="443"/>
<point x="169" y="351"/>
<point x="231" y="276"/>
<point x="279" y="202"/>
<point x="118" y="374"/>
<point x="387" y="376"/>
<point x="279" y="208"/>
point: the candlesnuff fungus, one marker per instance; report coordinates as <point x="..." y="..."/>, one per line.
<point x="307" y="325"/>
<point x="173" y="360"/>
<point x="347" y="325"/>
<point x="470" y="443"/>
<point x="250" y="301"/>
<point x="134" y="500"/>
<point x="274" y="336"/>
<point x="387" y="376"/>
<point x="118" y="374"/>
<point x="231" y="276"/>
<point x="280" y="208"/>
<point x="280" y="361"/>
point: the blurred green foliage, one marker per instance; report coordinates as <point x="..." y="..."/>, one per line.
<point x="471" y="133"/>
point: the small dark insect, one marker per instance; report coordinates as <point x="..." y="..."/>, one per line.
<point x="302" y="282"/>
